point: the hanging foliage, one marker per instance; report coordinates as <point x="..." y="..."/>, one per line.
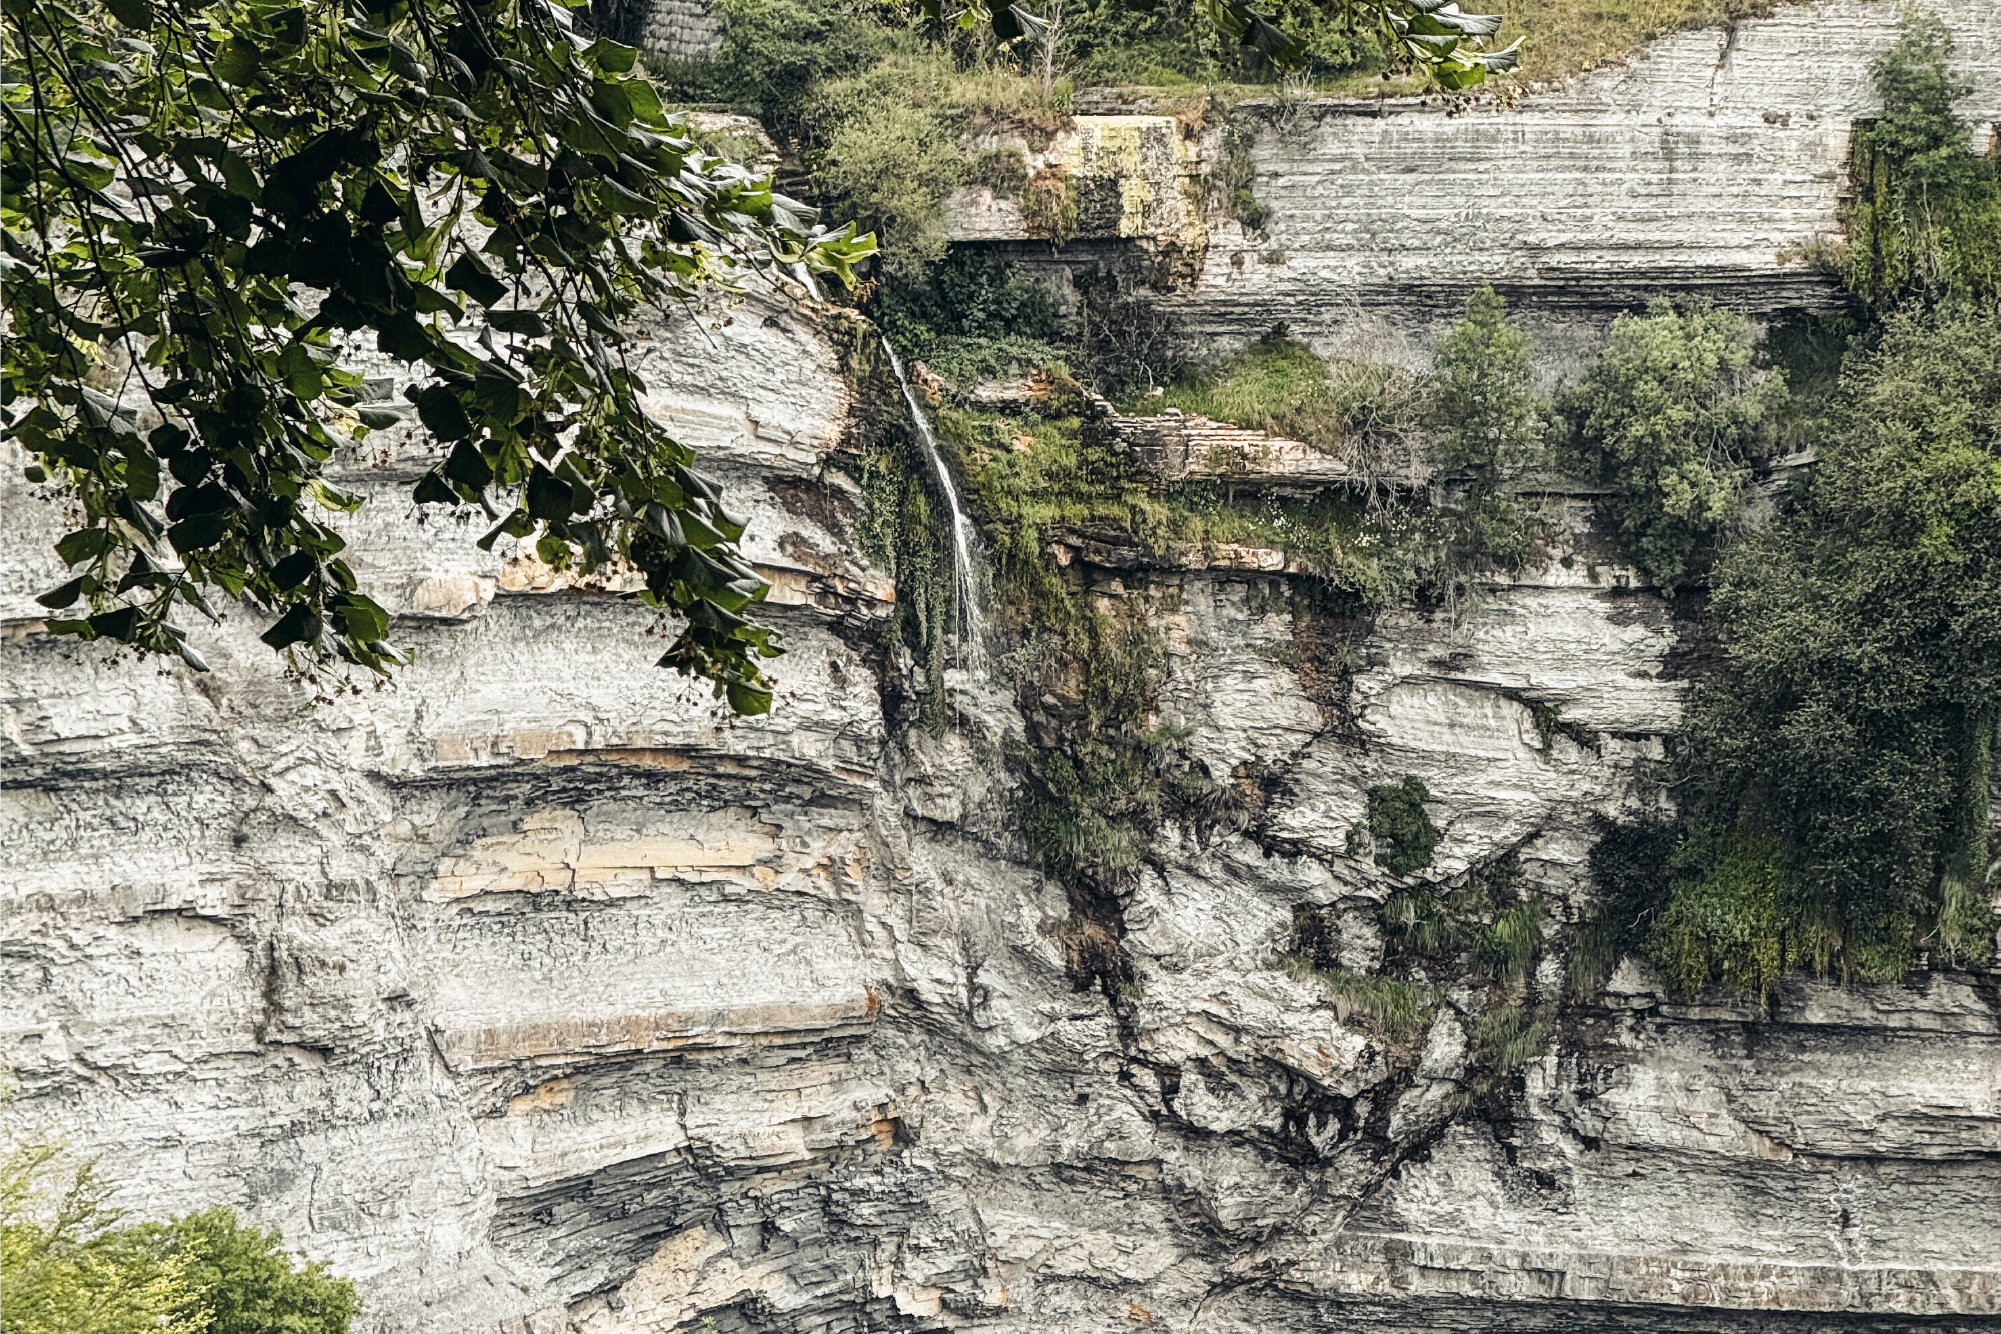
<point x="207" y="205"/>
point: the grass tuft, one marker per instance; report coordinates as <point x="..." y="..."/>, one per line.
<point x="1403" y="1008"/>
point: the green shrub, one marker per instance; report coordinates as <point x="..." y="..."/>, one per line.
<point x="1284" y="387"/>
<point x="1403" y="834"/>
<point x="1489" y="424"/>
<point x="773" y="53"/>
<point x="1130" y="342"/>
<point x="69" y="1267"/>
<point x="1672" y="416"/>
<point x="892" y="165"/>
<point x="1927" y="214"/>
<point x="974" y="318"/>
<point x="72" y="1266"/>
<point x="1855" y="720"/>
<point x="1506" y="1038"/>
<point x="1741" y="923"/>
<point x="1114" y="45"/>
<point x="247" y="1284"/>
<point x="1404" y="1008"/>
<point x="1004" y="171"/>
<point x="1487" y="414"/>
<point x="1837" y="771"/>
<point x="1423" y="922"/>
<point x="1628" y="863"/>
<point x="1506" y="947"/>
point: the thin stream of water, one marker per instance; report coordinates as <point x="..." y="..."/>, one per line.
<point x="972" y="626"/>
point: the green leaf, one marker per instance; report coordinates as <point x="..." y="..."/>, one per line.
<point x="433" y="489"/>
<point x="116" y="624"/>
<point x="339" y="501"/>
<point x="238" y="63"/>
<point x="58" y="598"/>
<point x="611" y="57"/>
<point x="360" y="617"/>
<point x="467" y="274"/>
<point x="294" y="570"/>
<point x="519" y="321"/>
<point x="442" y="412"/>
<point x="621" y="200"/>
<point x="403" y="337"/>
<point x="549" y="497"/>
<point x="132" y="13"/>
<point x="381" y="416"/>
<point x="199" y="532"/>
<point x="378" y="205"/>
<point x="296" y="626"/>
<point x="84" y="544"/>
<point x="748" y="701"/>
<point x="467" y="465"/>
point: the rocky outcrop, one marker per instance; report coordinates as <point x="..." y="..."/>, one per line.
<point x="1708" y="164"/>
<point x="1110" y="177"/>
<point x="535" y="993"/>
<point x="1178" y="446"/>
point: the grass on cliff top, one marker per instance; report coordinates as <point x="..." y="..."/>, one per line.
<point x="1281" y="386"/>
<point x="1565" y="37"/>
<point x="1561" y="38"/>
<point x="1033" y="477"/>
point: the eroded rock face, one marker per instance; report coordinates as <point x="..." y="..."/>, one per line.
<point x="535" y="994"/>
<point x="1708" y="163"/>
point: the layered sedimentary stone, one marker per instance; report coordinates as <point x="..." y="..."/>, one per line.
<point x="1708" y="164"/>
<point x="535" y="993"/>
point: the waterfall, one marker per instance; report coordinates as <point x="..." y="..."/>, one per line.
<point x="972" y="627"/>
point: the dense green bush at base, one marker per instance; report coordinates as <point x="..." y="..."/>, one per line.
<point x="72" y="1266"/>
<point x="1836" y="783"/>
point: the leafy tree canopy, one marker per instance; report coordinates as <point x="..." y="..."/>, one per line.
<point x="74" y="1267"/>
<point x="1490" y="424"/>
<point x="1486" y="410"/>
<point x="1837" y="783"/>
<point x="69" y="1268"/>
<point x="1672" y="415"/>
<point x="207" y="207"/>
<point x="244" y="1283"/>
<point x="1432" y="34"/>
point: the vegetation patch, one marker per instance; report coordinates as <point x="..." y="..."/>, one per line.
<point x="74" y="1264"/>
<point x="1927" y="214"/>
<point x="1836" y="774"/>
<point x="1283" y="387"/>
<point x="1400" y="833"/>
<point x="1672" y="415"/>
<point x="1404" y="1008"/>
<point x="973" y="318"/>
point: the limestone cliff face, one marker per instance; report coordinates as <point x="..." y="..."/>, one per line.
<point x="536" y="994"/>
<point x="1709" y="163"/>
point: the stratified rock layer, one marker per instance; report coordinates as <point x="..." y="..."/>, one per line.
<point x="1710" y="164"/>
<point x="536" y="994"/>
